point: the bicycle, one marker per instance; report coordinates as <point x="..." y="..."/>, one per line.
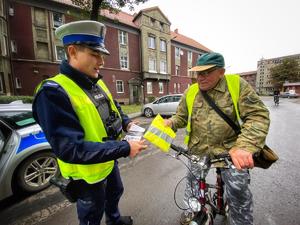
<point x="276" y="100"/>
<point x="211" y="201"/>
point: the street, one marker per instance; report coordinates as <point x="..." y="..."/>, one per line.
<point x="150" y="180"/>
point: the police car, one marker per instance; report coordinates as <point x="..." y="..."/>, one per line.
<point x="26" y="160"/>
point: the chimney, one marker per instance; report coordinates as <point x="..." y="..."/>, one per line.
<point x="176" y="30"/>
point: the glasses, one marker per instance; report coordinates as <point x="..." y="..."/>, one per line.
<point x="206" y="72"/>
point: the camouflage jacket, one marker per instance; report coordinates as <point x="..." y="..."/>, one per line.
<point x="210" y="134"/>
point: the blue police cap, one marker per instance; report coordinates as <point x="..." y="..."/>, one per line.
<point x="84" y="32"/>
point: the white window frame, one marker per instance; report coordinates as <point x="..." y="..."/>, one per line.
<point x="163" y="45"/>
<point x="178" y="88"/>
<point x="163" y="66"/>
<point x="123" y="37"/>
<point x="190" y="56"/>
<point x="151" y="42"/>
<point x="177" y="52"/>
<point x="177" y="70"/>
<point x="161" y="87"/>
<point x="149" y="87"/>
<point x="118" y="83"/>
<point x="175" y="88"/>
<point x="18" y="83"/>
<point x="152" y="65"/>
<point x="14" y="48"/>
<point x="57" y="24"/>
<point x="4" y="51"/>
<point x="124" y="62"/>
<point x="56" y="55"/>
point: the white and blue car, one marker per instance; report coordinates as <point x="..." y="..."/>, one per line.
<point x="26" y="160"/>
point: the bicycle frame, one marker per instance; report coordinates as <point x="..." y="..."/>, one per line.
<point x="212" y="203"/>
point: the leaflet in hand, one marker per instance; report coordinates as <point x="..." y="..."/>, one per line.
<point x="135" y="133"/>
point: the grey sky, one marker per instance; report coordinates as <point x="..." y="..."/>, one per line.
<point x="242" y="30"/>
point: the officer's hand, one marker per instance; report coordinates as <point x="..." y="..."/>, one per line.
<point x="130" y="124"/>
<point x="168" y="123"/>
<point x="136" y="147"/>
<point x="241" y="158"/>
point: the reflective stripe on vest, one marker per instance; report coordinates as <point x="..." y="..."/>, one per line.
<point x="160" y="135"/>
<point x="233" y="84"/>
<point x="93" y="127"/>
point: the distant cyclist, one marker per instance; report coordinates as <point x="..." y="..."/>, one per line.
<point x="276" y="96"/>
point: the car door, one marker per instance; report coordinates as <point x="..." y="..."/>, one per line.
<point x="174" y="104"/>
<point x="165" y="106"/>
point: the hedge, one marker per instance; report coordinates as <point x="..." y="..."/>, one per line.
<point x="9" y="99"/>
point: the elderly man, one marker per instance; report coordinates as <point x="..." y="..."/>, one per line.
<point x="83" y="124"/>
<point x="208" y="133"/>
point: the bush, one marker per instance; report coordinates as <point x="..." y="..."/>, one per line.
<point x="151" y="98"/>
<point x="9" y="99"/>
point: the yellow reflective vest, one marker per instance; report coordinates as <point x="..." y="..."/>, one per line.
<point x="93" y="126"/>
<point x="233" y="84"/>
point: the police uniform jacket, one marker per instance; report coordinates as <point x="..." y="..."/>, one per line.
<point x="210" y="134"/>
<point x="62" y="127"/>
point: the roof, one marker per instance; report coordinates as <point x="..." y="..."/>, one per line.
<point x="150" y="9"/>
<point x="188" y="41"/>
<point x="128" y="19"/>
<point x="247" y="73"/>
<point x="291" y="84"/>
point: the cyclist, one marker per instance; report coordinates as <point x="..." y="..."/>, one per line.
<point x="276" y="96"/>
<point x="210" y="134"/>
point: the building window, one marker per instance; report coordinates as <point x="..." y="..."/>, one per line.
<point x="3" y="46"/>
<point x="177" y="70"/>
<point x="178" y="88"/>
<point x="190" y="56"/>
<point x="161" y="87"/>
<point x="163" y="45"/>
<point x="18" y="83"/>
<point x="60" y="53"/>
<point x="151" y="42"/>
<point x="123" y="37"/>
<point x="152" y="65"/>
<point x="2" y="91"/>
<point x="199" y="56"/>
<point x="152" y="22"/>
<point x="57" y="19"/>
<point x="161" y="26"/>
<point x="175" y="85"/>
<point x="163" y="66"/>
<point x="124" y="60"/>
<point x="14" y="48"/>
<point x="42" y="50"/>
<point x="120" y="86"/>
<point x="177" y="52"/>
<point x="149" y="87"/>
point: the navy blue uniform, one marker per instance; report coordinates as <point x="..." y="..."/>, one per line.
<point x="53" y="110"/>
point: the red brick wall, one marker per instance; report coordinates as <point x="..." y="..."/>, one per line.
<point x="21" y="31"/>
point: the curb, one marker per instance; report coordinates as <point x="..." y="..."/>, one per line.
<point x="134" y="115"/>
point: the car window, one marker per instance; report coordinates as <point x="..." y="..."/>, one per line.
<point x="17" y="119"/>
<point x="176" y="98"/>
<point x="163" y="100"/>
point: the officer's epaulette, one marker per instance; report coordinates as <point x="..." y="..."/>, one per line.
<point x="50" y="84"/>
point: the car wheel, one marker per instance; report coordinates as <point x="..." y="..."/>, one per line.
<point x="36" y="171"/>
<point x="148" y="112"/>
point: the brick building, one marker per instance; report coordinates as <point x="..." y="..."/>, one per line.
<point x="250" y="77"/>
<point x="147" y="59"/>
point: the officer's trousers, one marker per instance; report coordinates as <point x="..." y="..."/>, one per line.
<point x="95" y="199"/>
<point x="237" y="193"/>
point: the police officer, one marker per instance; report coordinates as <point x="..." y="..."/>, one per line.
<point x="209" y="134"/>
<point x="83" y="124"/>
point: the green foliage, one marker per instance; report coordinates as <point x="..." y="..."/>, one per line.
<point x="93" y="6"/>
<point x="287" y="70"/>
<point x="8" y="99"/>
<point x="127" y="109"/>
<point x="151" y="98"/>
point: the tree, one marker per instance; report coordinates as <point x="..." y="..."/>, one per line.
<point x="93" y="6"/>
<point x="287" y="70"/>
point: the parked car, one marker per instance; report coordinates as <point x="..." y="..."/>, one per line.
<point x="165" y="105"/>
<point x="26" y="160"/>
<point x="289" y="95"/>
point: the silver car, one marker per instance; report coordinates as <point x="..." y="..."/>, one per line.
<point x="166" y="105"/>
<point x="26" y="160"/>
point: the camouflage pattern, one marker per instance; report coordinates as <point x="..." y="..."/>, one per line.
<point x="237" y="193"/>
<point x="211" y="135"/>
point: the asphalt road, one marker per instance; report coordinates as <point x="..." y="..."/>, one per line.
<point x="150" y="180"/>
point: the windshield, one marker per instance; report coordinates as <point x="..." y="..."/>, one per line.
<point x="18" y="119"/>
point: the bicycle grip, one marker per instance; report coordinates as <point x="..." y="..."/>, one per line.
<point x="178" y="149"/>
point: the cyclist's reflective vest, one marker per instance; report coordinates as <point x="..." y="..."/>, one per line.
<point x="233" y="84"/>
<point x="92" y="125"/>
